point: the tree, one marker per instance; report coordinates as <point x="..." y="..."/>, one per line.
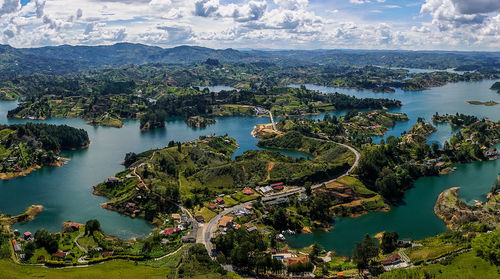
<point x="29" y="250"/>
<point x="316" y="249"/>
<point x="91" y="226"/>
<point x="364" y="252"/>
<point x="308" y="188"/>
<point x="130" y="158"/>
<point x="389" y="242"/>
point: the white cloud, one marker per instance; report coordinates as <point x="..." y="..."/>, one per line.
<point x="462" y="24"/>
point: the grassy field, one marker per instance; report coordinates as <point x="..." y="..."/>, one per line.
<point x="466" y="265"/>
<point x="463" y="266"/>
<point x="118" y="269"/>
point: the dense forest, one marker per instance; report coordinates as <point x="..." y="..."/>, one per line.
<point x="25" y="146"/>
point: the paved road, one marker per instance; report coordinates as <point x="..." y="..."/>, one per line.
<point x="209" y="228"/>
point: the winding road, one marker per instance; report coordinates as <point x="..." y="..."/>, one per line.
<point x="208" y="229"/>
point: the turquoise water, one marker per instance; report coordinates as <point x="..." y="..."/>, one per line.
<point x="66" y="192"/>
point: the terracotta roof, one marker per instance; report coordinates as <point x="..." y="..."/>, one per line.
<point x="292" y="261"/>
<point x="225" y="220"/>
<point x="247" y="191"/>
<point x="391" y="259"/>
<point x="59" y="254"/>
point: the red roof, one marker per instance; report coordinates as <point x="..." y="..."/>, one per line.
<point x="59" y="254"/>
<point x="170" y="231"/>
<point x="277" y="184"/>
<point x="27" y="233"/>
<point x="278" y="187"/>
<point x="75" y="225"/>
<point x="219" y="200"/>
<point x="247" y="191"/>
<point x="391" y="259"/>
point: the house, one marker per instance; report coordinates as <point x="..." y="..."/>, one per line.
<point x="18" y="248"/>
<point x="277" y="184"/>
<point x="60" y="254"/>
<point x="249" y="209"/>
<point x="247" y="191"/>
<point x="236" y="226"/>
<point x="440" y="165"/>
<point x="199" y="218"/>
<point x="219" y="200"/>
<point x="27" y="235"/>
<point x="176" y="217"/>
<point x="212" y="206"/>
<point x="107" y="254"/>
<point x="296" y="260"/>
<point x="252" y="229"/>
<point x="266" y="189"/>
<point x="112" y="179"/>
<point x="190" y="238"/>
<point x="278" y="187"/>
<point x="41" y="258"/>
<point x="170" y="231"/>
<point x="392" y="260"/>
<point x="279" y="201"/>
<point x="225" y="221"/>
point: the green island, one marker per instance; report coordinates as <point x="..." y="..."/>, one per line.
<point x="112" y="101"/>
<point x="26" y="147"/>
<point x="199" y="121"/>
<point x="496" y="86"/>
<point x="488" y="103"/>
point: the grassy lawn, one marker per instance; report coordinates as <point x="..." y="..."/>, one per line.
<point x="206" y="213"/>
<point x="357" y="186"/>
<point x="118" y="269"/>
<point x="242" y="198"/>
<point x="229" y="201"/>
<point x="430" y="252"/>
<point x="466" y="265"/>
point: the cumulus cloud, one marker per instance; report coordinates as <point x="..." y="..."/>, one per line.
<point x="9" y="6"/>
<point x="248" y="23"/>
<point x="253" y="10"/>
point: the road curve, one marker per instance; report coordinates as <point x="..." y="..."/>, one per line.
<point x="210" y="227"/>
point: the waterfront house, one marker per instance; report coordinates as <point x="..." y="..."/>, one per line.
<point x="170" y="231"/>
<point x="27" y="235"/>
<point x="112" y="179"/>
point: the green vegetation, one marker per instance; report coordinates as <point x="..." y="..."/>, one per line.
<point x="488" y="103"/>
<point x="390" y="167"/>
<point x="496" y="86"/>
<point x="28" y="146"/>
<point x="9" y="95"/>
<point x="196" y="171"/>
<point x="353" y="125"/>
<point x="199" y="121"/>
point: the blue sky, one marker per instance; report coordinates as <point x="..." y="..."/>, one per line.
<point x="280" y="24"/>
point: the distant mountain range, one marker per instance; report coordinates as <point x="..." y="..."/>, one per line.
<point x="65" y="59"/>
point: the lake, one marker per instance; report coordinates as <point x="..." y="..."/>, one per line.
<point x="66" y="192"/>
<point x="415" y="218"/>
